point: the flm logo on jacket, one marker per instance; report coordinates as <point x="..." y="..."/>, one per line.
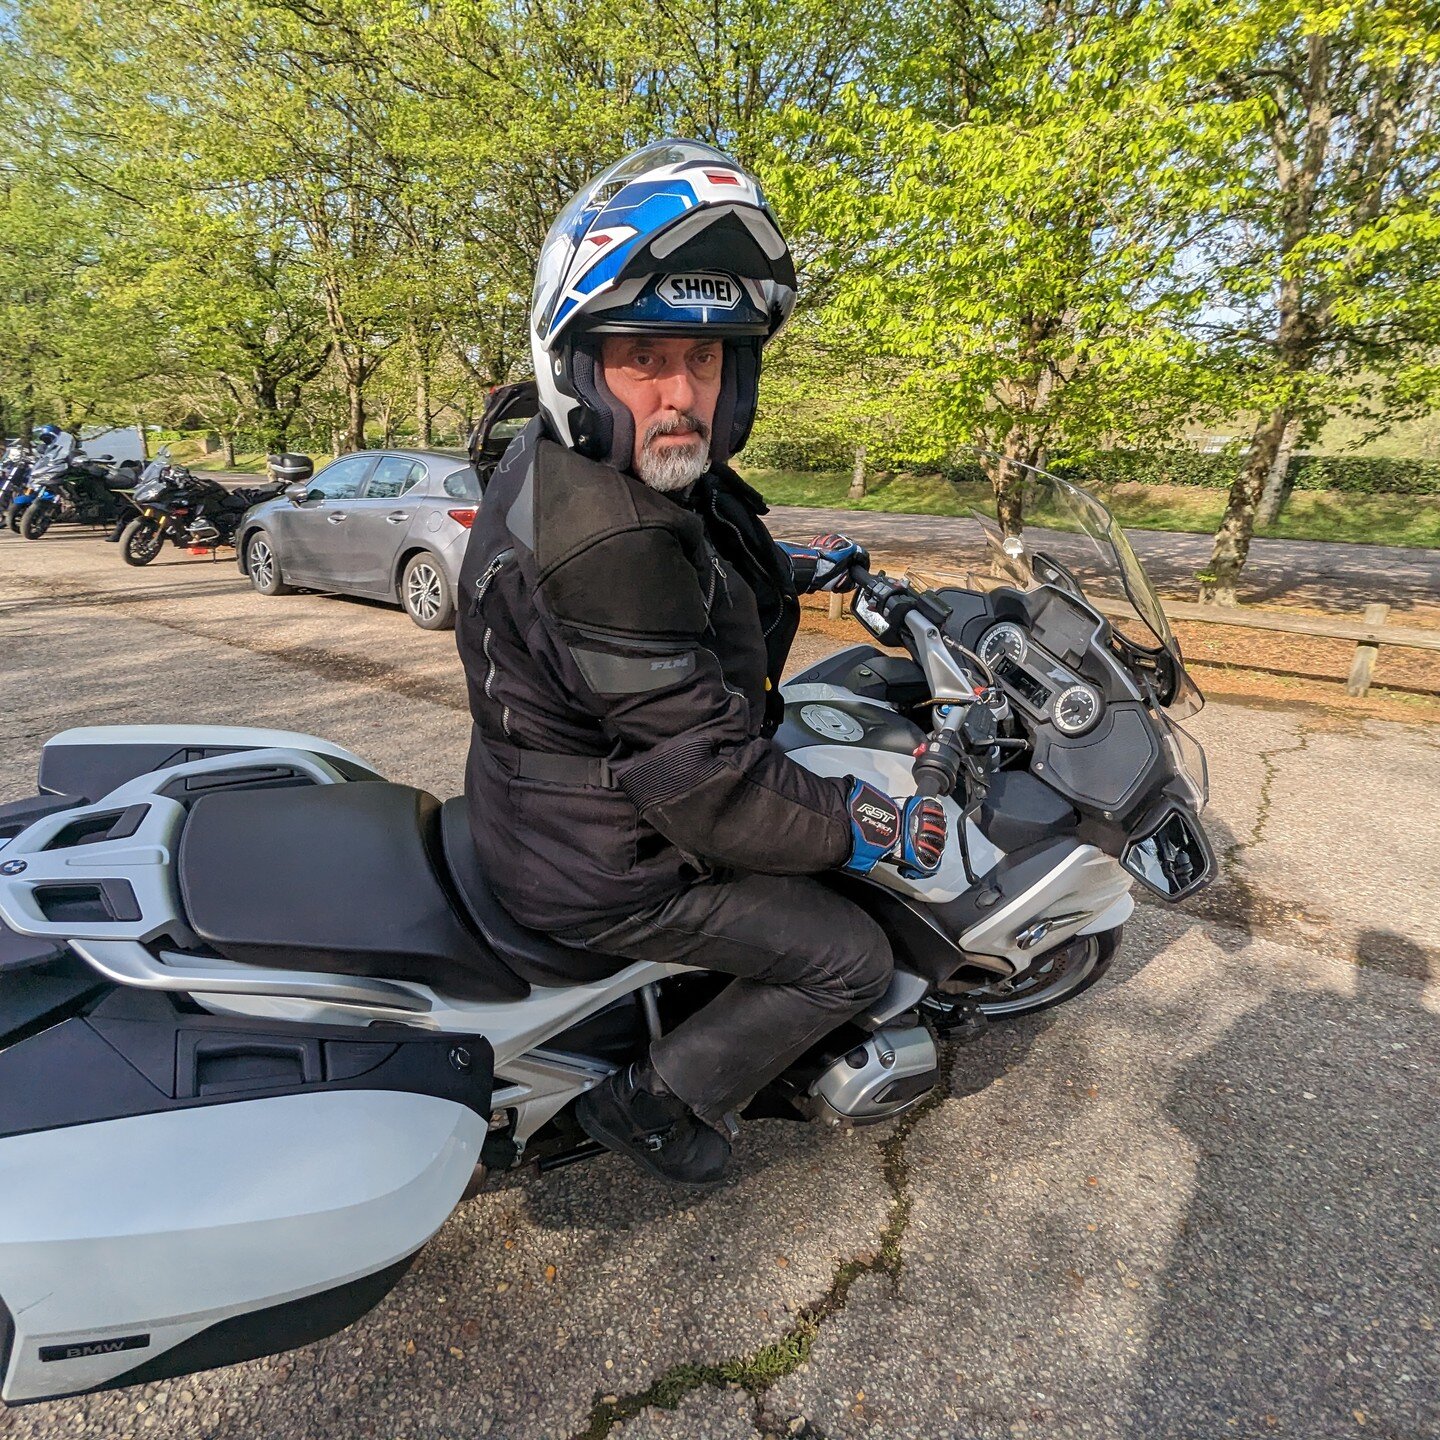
<point x="688" y="291"/>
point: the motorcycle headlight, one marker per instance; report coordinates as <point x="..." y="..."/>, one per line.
<point x="149" y="491"/>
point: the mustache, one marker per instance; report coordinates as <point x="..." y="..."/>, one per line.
<point x="679" y="424"/>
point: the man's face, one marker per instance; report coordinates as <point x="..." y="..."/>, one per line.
<point x="670" y="385"/>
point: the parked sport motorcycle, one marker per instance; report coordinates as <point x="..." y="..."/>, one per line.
<point x="194" y="511"/>
<point x="14" y="470"/>
<point x="263" y="1022"/>
<point x="67" y="485"/>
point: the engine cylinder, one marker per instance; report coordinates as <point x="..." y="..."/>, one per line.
<point x="890" y="1072"/>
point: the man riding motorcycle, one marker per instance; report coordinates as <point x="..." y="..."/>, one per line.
<point x="624" y="619"/>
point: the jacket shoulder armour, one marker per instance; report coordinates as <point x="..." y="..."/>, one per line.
<point x="612" y="555"/>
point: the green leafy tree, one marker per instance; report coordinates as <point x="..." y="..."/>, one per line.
<point x="1324" y="276"/>
<point x="1010" y="225"/>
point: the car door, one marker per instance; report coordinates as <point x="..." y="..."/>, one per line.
<point x="311" y="536"/>
<point x="379" y="522"/>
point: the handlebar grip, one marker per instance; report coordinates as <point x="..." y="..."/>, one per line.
<point x="930" y="781"/>
<point x="934" y="775"/>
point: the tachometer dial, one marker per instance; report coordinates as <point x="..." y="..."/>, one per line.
<point x="1077" y="708"/>
<point x="1003" y="640"/>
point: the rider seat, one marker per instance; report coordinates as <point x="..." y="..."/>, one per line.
<point x="352" y="879"/>
<point x="530" y="953"/>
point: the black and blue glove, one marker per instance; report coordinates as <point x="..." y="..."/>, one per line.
<point x="824" y="564"/>
<point x="910" y="834"/>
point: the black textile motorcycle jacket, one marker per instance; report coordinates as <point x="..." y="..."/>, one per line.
<point x="623" y="652"/>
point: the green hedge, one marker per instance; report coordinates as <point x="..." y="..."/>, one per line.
<point x="1349" y="474"/>
<point x="1361" y="475"/>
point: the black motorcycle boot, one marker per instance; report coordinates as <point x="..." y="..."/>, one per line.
<point x="633" y="1113"/>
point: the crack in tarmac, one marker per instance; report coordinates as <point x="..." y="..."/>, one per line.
<point x="1267" y="784"/>
<point x="768" y="1364"/>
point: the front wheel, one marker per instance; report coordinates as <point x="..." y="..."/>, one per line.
<point x="263" y="565"/>
<point x="39" y="515"/>
<point x="141" y="541"/>
<point x="426" y="595"/>
<point x="1057" y="976"/>
<point x="13" y="516"/>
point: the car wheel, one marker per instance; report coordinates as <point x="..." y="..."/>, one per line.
<point x="262" y="565"/>
<point x="425" y="593"/>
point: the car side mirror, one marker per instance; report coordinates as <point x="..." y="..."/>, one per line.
<point x="298" y="493"/>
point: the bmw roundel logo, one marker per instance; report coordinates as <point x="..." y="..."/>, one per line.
<point x="11" y="867"/>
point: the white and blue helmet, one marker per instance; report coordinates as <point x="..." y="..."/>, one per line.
<point x="676" y="236"/>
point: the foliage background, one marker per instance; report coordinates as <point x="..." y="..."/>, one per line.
<point x="1028" y="231"/>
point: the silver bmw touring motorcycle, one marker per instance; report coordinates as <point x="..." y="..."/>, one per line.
<point x="263" y="1024"/>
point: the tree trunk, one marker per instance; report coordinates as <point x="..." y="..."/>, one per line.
<point x="144" y="440"/>
<point x="355" y="429"/>
<point x="1232" y="539"/>
<point x="857" y="479"/>
<point x="229" y="441"/>
<point x="1277" y="492"/>
<point x="422" y="405"/>
<point x="1020" y="450"/>
<point x="273" y="422"/>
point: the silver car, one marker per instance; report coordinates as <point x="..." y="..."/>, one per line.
<point x="387" y="524"/>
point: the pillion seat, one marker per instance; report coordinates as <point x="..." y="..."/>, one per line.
<point x="352" y="879"/>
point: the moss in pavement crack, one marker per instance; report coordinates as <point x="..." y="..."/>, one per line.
<point x="763" y="1368"/>
<point x="1267" y="760"/>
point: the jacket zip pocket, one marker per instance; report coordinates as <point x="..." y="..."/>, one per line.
<point x="481" y="586"/>
<point x="483" y="583"/>
<point x="730" y="525"/>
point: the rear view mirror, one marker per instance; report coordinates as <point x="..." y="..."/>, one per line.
<point x="297" y="494"/>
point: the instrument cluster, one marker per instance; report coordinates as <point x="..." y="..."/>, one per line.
<point x="1037" y="682"/>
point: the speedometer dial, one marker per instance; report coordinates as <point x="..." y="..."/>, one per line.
<point x="1002" y="641"/>
<point x="1077" y="708"/>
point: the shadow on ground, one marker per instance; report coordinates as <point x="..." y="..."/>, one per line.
<point x="1302" y="1288"/>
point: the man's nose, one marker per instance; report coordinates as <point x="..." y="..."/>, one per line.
<point x="677" y="389"/>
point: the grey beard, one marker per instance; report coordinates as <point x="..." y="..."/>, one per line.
<point x="676" y="466"/>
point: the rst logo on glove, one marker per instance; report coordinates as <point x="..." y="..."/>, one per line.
<point x="880" y="824"/>
<point x="684" y="291"/>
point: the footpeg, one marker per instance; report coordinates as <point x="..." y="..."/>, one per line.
<point x="960" y="1022"/>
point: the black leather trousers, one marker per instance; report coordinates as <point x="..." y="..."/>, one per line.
<point x="804" y="959"/>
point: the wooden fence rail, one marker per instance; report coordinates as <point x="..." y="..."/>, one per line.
<point x="1369" y="633"/>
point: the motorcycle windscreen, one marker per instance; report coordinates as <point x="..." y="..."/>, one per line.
<point x="154" y="1245"/>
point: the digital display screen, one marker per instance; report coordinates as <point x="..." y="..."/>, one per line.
<point x="1022" y="682"/>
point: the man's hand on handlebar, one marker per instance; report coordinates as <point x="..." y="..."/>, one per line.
<point x="835" y="555"/>
<point x="908" y="834"/>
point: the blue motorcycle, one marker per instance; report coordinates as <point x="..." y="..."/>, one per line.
<point x="65" y="484"/>
<point x="15" y="465"/>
